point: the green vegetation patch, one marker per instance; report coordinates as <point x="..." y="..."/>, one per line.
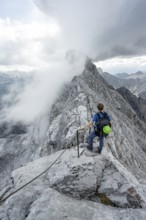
<point x="105" y="200"/>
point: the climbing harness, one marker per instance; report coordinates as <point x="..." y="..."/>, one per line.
<point x="3" y="200"/>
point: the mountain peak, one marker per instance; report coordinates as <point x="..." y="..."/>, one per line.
<point x="90" y="66"/>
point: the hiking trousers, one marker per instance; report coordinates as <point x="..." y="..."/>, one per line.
<point x="91" y="137"/>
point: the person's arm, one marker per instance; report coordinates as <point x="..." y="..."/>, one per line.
<point x="94" y="120"/>
<point x="90" y="124"/>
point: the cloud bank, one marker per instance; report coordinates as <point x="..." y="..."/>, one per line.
<point x="101" y="29"/>
<point x="36" y="98"/>
<point x="26" y="43"/>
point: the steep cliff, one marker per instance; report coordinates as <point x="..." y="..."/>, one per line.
<point x="137" y="103"/>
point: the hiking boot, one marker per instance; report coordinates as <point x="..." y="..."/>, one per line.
<point x="89" y="148"/>
<point x="97" y="151"/>
<point x="83" y="145"/>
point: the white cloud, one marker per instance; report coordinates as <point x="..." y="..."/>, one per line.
<point x="128" y="65"/>
<point x="36" y="98"/>
<point x="11" y="68"/>
<point x="24" y="43"/>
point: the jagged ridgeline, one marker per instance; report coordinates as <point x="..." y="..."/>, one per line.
<point x="108" y="186"/>
<point x="135" y="82"/>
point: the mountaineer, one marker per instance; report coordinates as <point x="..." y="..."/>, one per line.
<point x="102" y="127"/>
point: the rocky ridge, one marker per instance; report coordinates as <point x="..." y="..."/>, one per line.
<point x="75" y="188"/>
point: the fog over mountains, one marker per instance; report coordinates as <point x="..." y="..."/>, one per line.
<point x="108" y="186"/>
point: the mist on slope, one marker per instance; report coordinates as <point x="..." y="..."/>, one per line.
<point x="37" y="97"/>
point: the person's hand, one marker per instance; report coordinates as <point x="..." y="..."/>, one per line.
<point x="82" y="129"/>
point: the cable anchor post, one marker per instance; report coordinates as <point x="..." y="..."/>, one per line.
<point x="78" y="150"/>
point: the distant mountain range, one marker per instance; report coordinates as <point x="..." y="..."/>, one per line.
<point x="138" y="74"/>
<point x="135" y="82"/>
<point x="121" y="75"/>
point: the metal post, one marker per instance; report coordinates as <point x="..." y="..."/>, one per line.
<point x="78" y="143"/>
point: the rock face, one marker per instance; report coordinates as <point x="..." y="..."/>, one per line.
<point x="108" y="186"/>
<point x="72" y="189"/>
<point x="136" y="82"/>
<point x="138" y="104"/>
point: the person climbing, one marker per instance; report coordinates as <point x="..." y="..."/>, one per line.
<point x="102" y="127"/>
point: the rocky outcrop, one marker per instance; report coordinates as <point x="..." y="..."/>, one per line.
<point x="72" y="188"/>
<point x="53" y="205"/>
<point x="15" y="151"/>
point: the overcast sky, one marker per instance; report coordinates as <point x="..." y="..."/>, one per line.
<point x="53" y="37"/>
<point x="35" y="33"/>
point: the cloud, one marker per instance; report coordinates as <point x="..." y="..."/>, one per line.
<point x="127" y="65"/>
<point x="101" y="29"/>
<point x="24" y="43"/>
<point x="36" y="98"/>
<point x="16" y="9"/>
<point x="128" y="36"/>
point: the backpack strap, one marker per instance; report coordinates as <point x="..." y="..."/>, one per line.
<point x="99" y="117"/>
<point x="103" y="113"/>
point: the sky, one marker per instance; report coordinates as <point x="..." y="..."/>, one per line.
<point x="53" y="38"/>
<point x="35" y="33"/>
